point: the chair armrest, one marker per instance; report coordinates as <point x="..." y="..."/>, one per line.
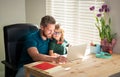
<point x="9" y="65"/>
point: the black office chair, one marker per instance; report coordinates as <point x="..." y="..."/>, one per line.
<point x="13" y="40"/>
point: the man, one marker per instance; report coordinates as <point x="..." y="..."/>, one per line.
<point x="36" y="45"/>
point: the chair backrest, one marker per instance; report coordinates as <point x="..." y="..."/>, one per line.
<point x="13" y="40"/>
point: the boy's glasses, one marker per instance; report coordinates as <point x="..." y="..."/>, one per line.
<point x="57" y="33"/>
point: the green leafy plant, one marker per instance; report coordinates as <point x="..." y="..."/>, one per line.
<point x="103" y="22"/>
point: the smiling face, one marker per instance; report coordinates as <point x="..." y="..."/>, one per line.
<point x="48" y="30"/>
<point x="57" y="35"/>
<point x="47" y="26"/>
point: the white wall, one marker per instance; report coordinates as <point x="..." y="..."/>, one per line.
<point x="115" y="15"/>
<point x="35" y="10"/>
<point x="11" y="11"/>
<point x="18" y="11"/>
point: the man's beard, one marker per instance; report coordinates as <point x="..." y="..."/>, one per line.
<point x="43" y="33"/>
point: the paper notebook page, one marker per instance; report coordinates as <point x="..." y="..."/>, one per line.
<point x="55" y="69"/>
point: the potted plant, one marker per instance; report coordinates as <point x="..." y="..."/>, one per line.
<point x="103" y="24"/>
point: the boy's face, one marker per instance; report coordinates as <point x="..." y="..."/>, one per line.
<point x="48" y="30"/>
<point x="57" y="35"/>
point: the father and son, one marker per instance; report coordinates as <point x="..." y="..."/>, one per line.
<point x="46" y="44"/>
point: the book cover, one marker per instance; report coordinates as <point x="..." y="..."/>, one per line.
<point x="44" y="65"/>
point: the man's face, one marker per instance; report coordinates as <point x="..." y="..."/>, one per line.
<point x="48" y="30"/>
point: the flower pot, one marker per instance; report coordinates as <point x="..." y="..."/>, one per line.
<point x="108" y="46"/>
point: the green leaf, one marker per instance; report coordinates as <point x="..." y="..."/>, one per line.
<point x="97" y="20"/>
<point x="102" y="21"/>
<point x="104" y="30"/>
<point x="98" y="27"/>
<point x="109" y="21"/>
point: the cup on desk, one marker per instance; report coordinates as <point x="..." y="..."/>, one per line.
<point x="92" y="49"/>
<point x="95" y="49"/>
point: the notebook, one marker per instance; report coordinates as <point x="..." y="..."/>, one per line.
<point x="76" y="52"/>
<point x="48" y="67"/>
<point x="45" y="66"/>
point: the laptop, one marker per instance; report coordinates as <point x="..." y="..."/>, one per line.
<point x="76" y="52"/>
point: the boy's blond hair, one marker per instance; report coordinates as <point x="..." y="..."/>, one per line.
<point x="57" y="27"/>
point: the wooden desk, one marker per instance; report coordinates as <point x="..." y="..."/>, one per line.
<point x="90" y="67"/>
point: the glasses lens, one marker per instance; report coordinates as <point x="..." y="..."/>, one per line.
<point x="57" y="33"/>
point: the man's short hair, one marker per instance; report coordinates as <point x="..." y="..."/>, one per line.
<point x="47" y="20"/>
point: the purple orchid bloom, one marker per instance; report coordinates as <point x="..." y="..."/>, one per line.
<point x="100" y="10"/>
<point x="99" y="15"/>
<point x="107" y="10"/>
<point x="92" y="8"/>
<point x="104" y="6"/>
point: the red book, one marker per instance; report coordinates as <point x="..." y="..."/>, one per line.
<point x="44" y="66"/>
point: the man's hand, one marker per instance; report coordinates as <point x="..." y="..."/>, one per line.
<point x="61" y="60"/>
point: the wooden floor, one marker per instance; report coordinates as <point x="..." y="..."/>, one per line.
<point x="89" y="67"/>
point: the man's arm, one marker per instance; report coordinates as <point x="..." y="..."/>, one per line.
<point x="36" y="56"/>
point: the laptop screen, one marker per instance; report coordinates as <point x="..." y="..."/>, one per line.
<point x="76" y="52"/>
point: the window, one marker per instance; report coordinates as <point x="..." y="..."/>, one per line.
<point x="75" y="18"/>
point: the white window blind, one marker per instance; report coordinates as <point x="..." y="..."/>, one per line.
<point x="75" y="18"/>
